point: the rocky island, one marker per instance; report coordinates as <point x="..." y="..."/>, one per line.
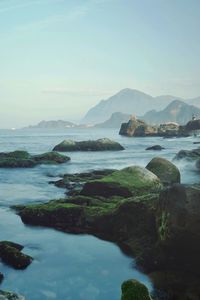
<point x="139" y="128"/>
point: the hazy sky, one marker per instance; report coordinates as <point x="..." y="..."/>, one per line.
<point x="60" y="57"/>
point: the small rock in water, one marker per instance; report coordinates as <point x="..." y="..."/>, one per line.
<point x="4" y="295"/>
<point x="155" y="147"/>
<point x="134" y="290"/>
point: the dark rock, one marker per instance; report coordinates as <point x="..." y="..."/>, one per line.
<point x="134" y="290"/>
<point x="10" y="253"/>
<point x="190" y="155"/>
<point x="1" y="277"/>
<point x="4" y="295"/>
<point x="193" y="125"/>
<point x="136" y="127"/>
<point x="98" y="145"/>
<point x="155" y="147"/>
<point x="22" y="159"/>
<point x="165" y="170"/>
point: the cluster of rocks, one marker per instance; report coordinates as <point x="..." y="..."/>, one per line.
<point x="146" y="211"/>
<point x="139" y="128"/>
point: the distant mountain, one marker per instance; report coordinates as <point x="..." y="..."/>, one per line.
<point x="114" y="121"/>
<point x="177" y="111"/>
<point x="52" y="125"/>
<point x="127" y="101"/>
<point x="194" y="101"/>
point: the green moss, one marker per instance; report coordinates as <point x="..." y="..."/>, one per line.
<point x="163" y="228"/>
<point x="134" y="290"/>
<point x="133" y="178"/>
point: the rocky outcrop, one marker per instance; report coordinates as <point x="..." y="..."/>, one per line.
<point x="4" y="295"/>
<point x="190" y="155"/>
<point x="134" y="290"/>
<point x="10" y="254"/>
<point x="193" y="125"/>
<point x="126" y="182"/>
<point x="155" y="147"/>
<point x="138" y="128"/>
<point x="166" y="171"/>
<point x="22" y="159"/>
<point x="97" y="145"/>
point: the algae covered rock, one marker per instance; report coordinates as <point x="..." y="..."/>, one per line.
<point x="10" y="254"/>
<point x="165" y="170"/>
<point x="134" y="290"/>
<point x="90" y="145"/>
<point x="4" y="295"/>
<point x="22" y="159"/>
<point x="126" y="182"/>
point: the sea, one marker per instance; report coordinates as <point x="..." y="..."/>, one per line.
<point x="68" y="266"/>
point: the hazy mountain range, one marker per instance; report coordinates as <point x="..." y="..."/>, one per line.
<point x="129" y="101"/>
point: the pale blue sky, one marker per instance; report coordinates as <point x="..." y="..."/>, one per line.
<point x="60" y="57"/>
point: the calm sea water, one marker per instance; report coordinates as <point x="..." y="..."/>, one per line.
<point x="70" y="267"/>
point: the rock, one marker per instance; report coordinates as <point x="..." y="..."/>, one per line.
<point x="155" y="147"/>
<point x="98" y="145"/>
<point x="190" y="155"/>
<point x="166" y="171"/>
<point x="178" y="226"/>
<point x="193" y="125"/>
<point x="134" y="290"/>
<point x="126" y="182"/>
<point x="22" y="159"/>
<point x="1" y="277"/>
<point x="4" y="295"/>
<point x="10" y="253"/>
<point x="136" y="127"/>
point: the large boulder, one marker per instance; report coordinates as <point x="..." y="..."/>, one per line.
<point x="4" y="295"/>
<point x="10" y="253"/>
<point x="134" y="290"/>
<point x="126" y="182"/>
<point x="22" y="159"/>
<point x="96" y="145"/>
<point x="165" y="170"/>
<point x="189" y="155"/>
<point x="136" y="127"/>
<point x="178" y="226"/>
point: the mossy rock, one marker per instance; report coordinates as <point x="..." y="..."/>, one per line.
<point x="126" y="182"/>
<point x="4" y="295"/>
<point x="165" y="170"/>
<point x="134" y="290"/>
<point x="90" y="145"/>
<point x="10" y="254"/>
<point x="22" y="159"/>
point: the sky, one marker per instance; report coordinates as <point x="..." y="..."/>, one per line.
<point x="58" y="58"/>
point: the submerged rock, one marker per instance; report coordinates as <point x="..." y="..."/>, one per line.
<point x="165" y="170"/>
<point x="22" y="159"/>
<point x="4" y="295"/>
<point x="134" y="290"/>
<point x="10" y="254"/>
<point x="155" y="147"/>
<point x="97" y="145"/>
<point x="126" y="182"/>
